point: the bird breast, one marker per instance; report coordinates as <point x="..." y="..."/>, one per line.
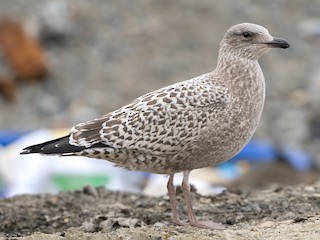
<point x="231" y="130"/>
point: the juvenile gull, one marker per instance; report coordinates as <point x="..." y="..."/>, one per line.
<point x="192" y="124"/>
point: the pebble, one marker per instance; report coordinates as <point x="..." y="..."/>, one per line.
<point x="309" y="189"/>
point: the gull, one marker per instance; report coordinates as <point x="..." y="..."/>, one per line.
<point x="197" y="123"/>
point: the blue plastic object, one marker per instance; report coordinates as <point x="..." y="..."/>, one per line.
<point x="264" y="151"/>
<point x="7" y="137"/>
<point x="257" y="151"/>
<point x="297" y="158"/>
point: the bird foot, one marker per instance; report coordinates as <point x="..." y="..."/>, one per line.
<point x="208" y="225"/>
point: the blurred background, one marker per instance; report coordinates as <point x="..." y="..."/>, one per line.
<point x="64" y="62"/>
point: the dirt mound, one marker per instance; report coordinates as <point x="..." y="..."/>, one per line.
<point x="99" y="212"/>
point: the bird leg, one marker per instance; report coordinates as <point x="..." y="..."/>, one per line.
<point x="173" y="201"/>
<point x="192" y="219"/>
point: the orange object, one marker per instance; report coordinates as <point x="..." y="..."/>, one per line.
<point x="22" y="52"/>
<point x="8" y="88"/>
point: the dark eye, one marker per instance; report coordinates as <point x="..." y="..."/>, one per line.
<point x="247" y="34"/>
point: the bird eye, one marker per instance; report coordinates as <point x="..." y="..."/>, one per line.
<point x="247" y="34"/>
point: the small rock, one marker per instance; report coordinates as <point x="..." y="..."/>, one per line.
<point x="107" y="225"/>
<point x="299" y="219"/>
<point x="246" y="208"/>
<point x="162" y="203"/>
<point x="113" y="223"/>
<point x="255" y="208"/>
<point x="205" y="200"/>
<point x="88" y="227"/>
<point x="120" y="206"/>
<point x="128" y="222"/>
<point x="266" y="224"/>
<point x="230" y="221"/>
<point x="159" y="224"/>
<point x="90" y="190"/>
<point x="309" y="189"/>
<point x="239" y="217"/>
<point x="289" y="215"/>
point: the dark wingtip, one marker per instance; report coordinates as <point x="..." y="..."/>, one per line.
<point x="30" y="149"/>
<point x="26" y="151"/>
<point x="57" y="146"/>
<point x="39" y="148"/>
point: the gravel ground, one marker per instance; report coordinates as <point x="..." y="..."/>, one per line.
<point x="95" y="213"/>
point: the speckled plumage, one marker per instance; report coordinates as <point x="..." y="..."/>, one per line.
<point x="151" y="133"/>
<point x="192" y="124"/>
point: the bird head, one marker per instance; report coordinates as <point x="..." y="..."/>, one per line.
<point x="248" y="40"/>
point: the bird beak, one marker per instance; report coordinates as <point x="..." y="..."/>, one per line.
<point x="278" y="43"/>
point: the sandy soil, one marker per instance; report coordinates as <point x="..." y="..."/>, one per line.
<point x="95" y="213"/>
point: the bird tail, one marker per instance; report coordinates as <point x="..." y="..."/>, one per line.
<point x="57" y="146"/>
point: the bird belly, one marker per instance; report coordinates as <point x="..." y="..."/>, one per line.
<point x="221" y="141"/>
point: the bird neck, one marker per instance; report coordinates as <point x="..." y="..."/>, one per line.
<point x="226" y="51"/>
<point x="241" y="75"/>
<point x="232" y="65"/>
<point x="244" y="79"/>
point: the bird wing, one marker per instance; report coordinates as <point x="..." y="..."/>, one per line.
<point x="161" y="122"/>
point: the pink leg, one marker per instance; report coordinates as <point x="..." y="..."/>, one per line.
<point x="173" y="201"/>
<point x="192" y="219"/>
